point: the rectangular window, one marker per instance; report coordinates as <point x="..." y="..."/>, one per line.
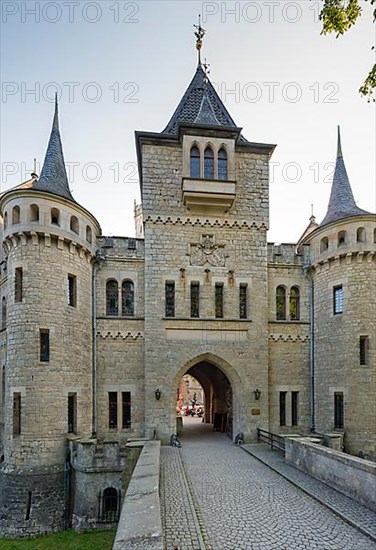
<point x="16" y="414"/>
<point x="72" y="290"/>
<point x="219" y="300"/>
<point x="170" y="299"/>
<point x="18" y="285"/>
<point x="282" y="408"/>
<point x="243" y="291"/>
<point x="294" y="407"/>
<point x="337" y="299"/>
<point x="195" y="300"/>
<point x="112" y="410"/>
<point x="363" y="350"/>
<point x="72" y="413"/>
<point x="44" y="344"/>
<point x="126" y="402"/>
<point x="338" y="410"/>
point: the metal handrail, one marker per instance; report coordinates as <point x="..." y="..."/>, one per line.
<point x="274" y="440"/>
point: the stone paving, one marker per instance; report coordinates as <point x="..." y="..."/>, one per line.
<point x="355" y="514"/>
<point x="240" y="503"/>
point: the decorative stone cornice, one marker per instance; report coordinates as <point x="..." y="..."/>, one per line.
<point x="204" y="222"/>
<point x="120" y="335"/>
<point x="288" y="338"/>
<point x="344" y="259"/>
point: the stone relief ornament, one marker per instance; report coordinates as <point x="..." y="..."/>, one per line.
<point x="207" y="252"/>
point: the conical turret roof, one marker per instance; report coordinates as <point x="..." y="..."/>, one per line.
<point x="341" y="203"/>
<point x="53" y="178"/>
<point x="200" y="105"/>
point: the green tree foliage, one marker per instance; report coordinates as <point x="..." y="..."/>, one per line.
<point x="339" y="16"/>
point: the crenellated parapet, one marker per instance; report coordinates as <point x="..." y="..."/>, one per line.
<point x="90" y="455"/>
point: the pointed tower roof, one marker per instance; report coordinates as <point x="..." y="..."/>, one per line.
<point x="200" y="105"/>
<point x="53" y="178"/>
<point x="341" y="203"/>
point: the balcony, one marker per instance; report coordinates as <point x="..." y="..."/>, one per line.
<point x="208" y="195"/>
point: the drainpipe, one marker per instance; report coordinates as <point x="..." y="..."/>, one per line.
<point x="311" y="350"/>
<point x="99" y="259"/>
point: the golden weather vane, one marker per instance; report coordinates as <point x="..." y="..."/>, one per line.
<point x="200" y="33"/>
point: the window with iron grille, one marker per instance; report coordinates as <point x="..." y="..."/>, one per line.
<point x="294" y="407"/>
<point x="109" y="505"/>
<point x="126" y="404"/>
<point x="72" y="413"/>
<point x="127" y="292"/>
<point x="280" y="303"/>
<point x="72" y="290"/>
<point x="112" y="410"/>
<point x="219" y="300"/>
<point x="337" y="299"/>
<point x="243" y="296"/>
<point x="16" y="413"/>
<point x="363" y="350"/>
<point x="282" y="408"/>
<point x="44" y="345"/>
<point x="170" y="299"/>
<point x="195" y="300"/>
<point x="18" y="291"/>
<point x="338" y="410"/>
<point x="112" y="298"/>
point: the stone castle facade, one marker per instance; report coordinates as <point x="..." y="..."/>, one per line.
<point x="98" y="331"/>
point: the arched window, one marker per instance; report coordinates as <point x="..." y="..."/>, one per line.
<point x="294" y="304"/>
<point x="34" y="213"/>
<point x="280" y="304"/>
<point x="324" y="244"/>
<point x="222" y="165"/>
<point x="16" y="214"/>
<point x="341" y="238"/>
<point x="360" y="235"/>
<point x="55" y="216"/>
<point x="112" y="298"/>
<point x="110" y="505"/>
<point x="74" y="225"/>
<point x="195" y="162"/>
<point x="89" y="234"/>
<point x="5" y="220"/>
<point x="3" y="312"/>
<point x="127" y="295"/>
<point x="209" y="163"/>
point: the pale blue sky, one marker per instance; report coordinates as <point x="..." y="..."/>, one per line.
<point x="94" y="49"/>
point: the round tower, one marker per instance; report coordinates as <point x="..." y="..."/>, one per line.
<point x="342" y="250"/>
<point x="49" y="242"/>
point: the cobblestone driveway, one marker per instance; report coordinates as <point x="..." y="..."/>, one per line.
<point x="241" y="503"/>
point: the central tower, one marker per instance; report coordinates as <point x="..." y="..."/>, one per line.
<point x="205" y="205"/>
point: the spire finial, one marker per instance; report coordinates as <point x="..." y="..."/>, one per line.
<point x="55" y="123"/>
<point x="200" y="33"/>
<point x="339" y="147"/>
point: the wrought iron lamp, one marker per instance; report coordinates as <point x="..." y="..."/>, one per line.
<point x="157" y="394"/>
<point x="257" y="393"/>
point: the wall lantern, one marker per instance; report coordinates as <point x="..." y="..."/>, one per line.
<point x="157" y="394"/>
<point x="257" y="393"/>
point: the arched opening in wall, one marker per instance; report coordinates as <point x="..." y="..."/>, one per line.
<point x="204" y="400"/>
<point x="127" y="298"/>
<point x="74" y="225"/>
<point x="109" y="505"/>
<point x="222" y="164"/>
<point x="280" y="303"/>
<point x="112" y="298"/>
<point x="360" y="235"/>
<point x="341" y="238"/>
<point x="55" y="216"/>
<point x="294" y="303"/>
<point x="208" y="163"/>
<point x="16" y="214"/>
<point x="34" y="213"/>
<point x="89" y="234"/>
<point x="324" y="244"/>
